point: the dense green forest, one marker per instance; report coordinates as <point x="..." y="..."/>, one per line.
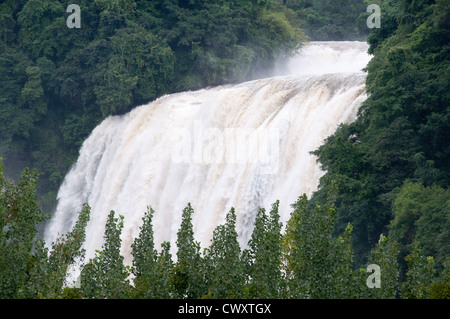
<point x="392" y="165"/>
<point x="384" y="198"/>
<point x="324" y="20"/>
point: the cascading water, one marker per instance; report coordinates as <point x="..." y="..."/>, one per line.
<point x="243" y="146"/>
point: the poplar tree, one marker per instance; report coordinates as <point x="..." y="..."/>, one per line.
<point x="226" y="277"/>
<point x="164" y="272"/>
<point x="385" y="254"/>
<point x="263" y="257"/>
<point x="419" y="276"/>
<point x="307" y="250"/>
<point x="187" y="278"/>
<point x="106" y="276"/>
<point x="343" y="281"/>
<point x="144" y="258"/>
<point x="153" y="272"/>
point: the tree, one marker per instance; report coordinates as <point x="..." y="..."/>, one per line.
<point x="28" y="268"/>
<point x="58" y="83"/>
<point x="164" y="273"/>
<point x="105" y="276"/>
<point x="34" y="18"/>
<point x="390" y="10"/>
<point x="401" y="128"/>
<point x="352" y="176"/>
<point x="421" y="213"/>
<point x="441" y="288"/>
<point x="16" y="118"/>
<point x="225" y="277"/>
<point x="187" y="278"/>
<point x="49" y="271"/>
<point x="139" y="68"/>
<point x="328" y="20"/>
<point x="308" y="240"/>
<point x="145" y="259"/>
<point x="419" y="275"/>
<point x="344" y="281"/>
<point x="19" y="217"/>
<point x="385" y="254"/>
<point x="263" y="257"/>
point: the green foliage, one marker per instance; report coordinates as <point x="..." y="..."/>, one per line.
<point x="401" y="133"/>
<point x="390" y="10"/>
<point x="16" y="116"/>
<point x="19" y="217"/>
<point x="29" y="269"/>
<point x="328" y="20"/>
<point x="152" y="272"/>
<point x="187" y="279"/>
<point x="223" y="259"/>
<point x="419" y="276"/>
<point x="144" y="254"/>
<point x="441" y="289"/>
<point x="387" y="171"/>
<point x="308" y="239"/>
<point x="303" y="262"/>
<point x="34" y="19"/>
<point x="138" y="68"/>
<point x="263" y="258"/>
<point x="47" y="277"/>
<point x="105" y="276"/>
<point x="385" y="254"/>
<point x="343" y="278"/>
<point x="423" y="214"/>
<point x="58" y="83"/>
<point x="165" y="272"/>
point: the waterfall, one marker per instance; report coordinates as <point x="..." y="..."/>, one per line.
<point x="243" y="146"/>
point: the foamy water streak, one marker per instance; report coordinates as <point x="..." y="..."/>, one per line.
<point x="327" y="58"/>
<point x="167" y="153"/>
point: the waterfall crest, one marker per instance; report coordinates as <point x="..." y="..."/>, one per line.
<point x="243" y="146"/>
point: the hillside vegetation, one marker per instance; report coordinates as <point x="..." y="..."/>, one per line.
<point x="384" y="199"/>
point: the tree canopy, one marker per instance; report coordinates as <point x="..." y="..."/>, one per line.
<point x="392" y="163"/>
<point x="304" y="260"/>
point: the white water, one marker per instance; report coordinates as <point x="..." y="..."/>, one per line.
<point x="168" y="153"/>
